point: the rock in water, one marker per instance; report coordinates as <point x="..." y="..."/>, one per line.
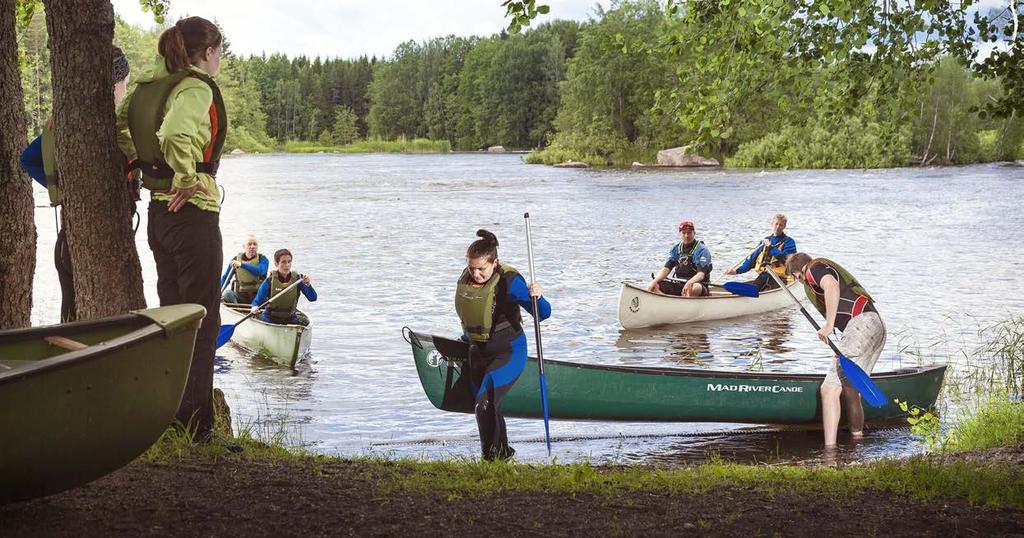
<point x="681" y="156"/>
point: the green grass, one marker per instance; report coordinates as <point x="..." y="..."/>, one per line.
<point x="998" y="422"/>
<point x="373" y="145"/>
<point x="977" y="484"/>
<point x="620" y="157"/>
<point x="267" y="441"/>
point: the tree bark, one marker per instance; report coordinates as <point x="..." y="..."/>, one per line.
<point x="96" y="202"/>
<point x="18" y="229"/>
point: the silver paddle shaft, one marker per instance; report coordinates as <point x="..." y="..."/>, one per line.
<point x="533" y="300"/>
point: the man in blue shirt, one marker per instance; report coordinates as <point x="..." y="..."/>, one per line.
<point x="769" y="255"/>
<point x="691" y="261"/>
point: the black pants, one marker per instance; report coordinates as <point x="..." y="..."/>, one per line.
<point x="62" y="261"/>
<point x="764" y="281"/>
<point x="188" y="252"/>
<point x="669" y="287"/>
<point x="494" y="372"/>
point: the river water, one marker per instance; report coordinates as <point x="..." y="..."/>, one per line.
<point x="384" y="237"/>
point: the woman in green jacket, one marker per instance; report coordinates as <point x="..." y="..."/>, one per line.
<point x="172" y="126"/>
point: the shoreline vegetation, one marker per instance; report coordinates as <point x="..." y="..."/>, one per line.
<point x="605" y="91"/>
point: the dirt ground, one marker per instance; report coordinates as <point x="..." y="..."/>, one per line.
<point x="235" y="497"/>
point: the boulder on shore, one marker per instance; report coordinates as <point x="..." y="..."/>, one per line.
<point x="237" y="151"/>
<point x="496" y="149"/>
<point x="681" y="156"/>
<point x="572" y="164"/>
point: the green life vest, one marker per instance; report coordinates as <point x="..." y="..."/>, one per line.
<point x="282" y="308"/>
<point x="246" y="282"/>
<point x="50" y="166"/>
<point x="845" y="277"/>
<point x="485" y="310"/>
<point x="146" y="115"/>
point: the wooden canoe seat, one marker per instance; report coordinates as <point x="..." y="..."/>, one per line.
<point x="64" y="343"/>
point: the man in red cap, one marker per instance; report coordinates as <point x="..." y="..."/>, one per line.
<point x="691" y="261"/>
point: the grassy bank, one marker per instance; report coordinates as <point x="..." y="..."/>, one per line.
<point x="989" y="484"/>
<point x="624" y="156"/>
<point x="417" y="145"/>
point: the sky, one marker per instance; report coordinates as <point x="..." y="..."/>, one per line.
<point x="347" y="28"/>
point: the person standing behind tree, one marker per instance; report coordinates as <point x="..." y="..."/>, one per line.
<point x="849" y="309"/>
<point x="40" y="162"/>
<point x="174" y="124"/>
<point x="250" y="269"/>
<point x="769" y="256"/>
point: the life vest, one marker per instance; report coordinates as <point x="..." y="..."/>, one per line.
<point x="246" y="282"/>
<point x="685" y="268"/>
<point x="817" y="295"/>
<point x="486" y="310"/>
<point x="49" y="147"/>
<point x="777" y="263"/>
<point x="146" y="115"/>
<point x="50" y="165"/>
<point x="282" y="308"/>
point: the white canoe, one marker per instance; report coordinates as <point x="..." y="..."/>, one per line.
<point x="641" y="308"/>
<point x="284" y="344"/>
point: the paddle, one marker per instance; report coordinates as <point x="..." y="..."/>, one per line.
<point x="228" y="280"/>
<point x="858" y="378"/>
<point x="227" y="330"/>
<point x="742" y="289"/>
<point x="737" y="264"/>
<point x="536" y="330"/>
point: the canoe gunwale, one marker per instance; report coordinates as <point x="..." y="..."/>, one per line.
<point x="148" y="331"/>
<point x="724" y="295"/>
<point x="692" y="372"/>
<point x="288" y="358"/>
<point x="242" y="308"/>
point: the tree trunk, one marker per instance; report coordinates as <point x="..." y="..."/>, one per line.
<point x="96" y="202"/>
<point x="18" y="232"/>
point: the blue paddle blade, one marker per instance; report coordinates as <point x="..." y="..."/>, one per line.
<point x="225" y="334"/>
<point x="742" y="289"/>
<point x="862" y="382"/>
<point x="544" y="404"/>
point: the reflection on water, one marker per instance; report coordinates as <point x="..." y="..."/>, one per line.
<point x="750" y="343"/>
<point x="384" y="237"/>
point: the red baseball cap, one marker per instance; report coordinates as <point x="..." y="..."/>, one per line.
<point x="687" y="224"/>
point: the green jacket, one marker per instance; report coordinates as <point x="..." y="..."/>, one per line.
<point x="183" y="136"/>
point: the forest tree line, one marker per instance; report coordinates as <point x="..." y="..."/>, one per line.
<point x="604" y="91"/>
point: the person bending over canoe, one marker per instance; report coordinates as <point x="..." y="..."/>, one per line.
<point x="39" y="160"/>
<point x="769" y="255"/>
<point x="283" y="310"/>
<point x="849" y="309"/>
<point x="250" y="271"/>
<point x="691" y="261"/>
<point x="487" y="299"/>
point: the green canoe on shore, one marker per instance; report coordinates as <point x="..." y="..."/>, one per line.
<point x="625" y="393"/>
<point x="82" y="399"/>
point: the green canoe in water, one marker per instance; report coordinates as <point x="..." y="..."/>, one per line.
<point x="82" y="399"/>
<point x="624" y="393"/>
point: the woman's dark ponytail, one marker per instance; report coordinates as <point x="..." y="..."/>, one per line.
<point x="487" y="245"/>
<point x="183" y="44"/>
